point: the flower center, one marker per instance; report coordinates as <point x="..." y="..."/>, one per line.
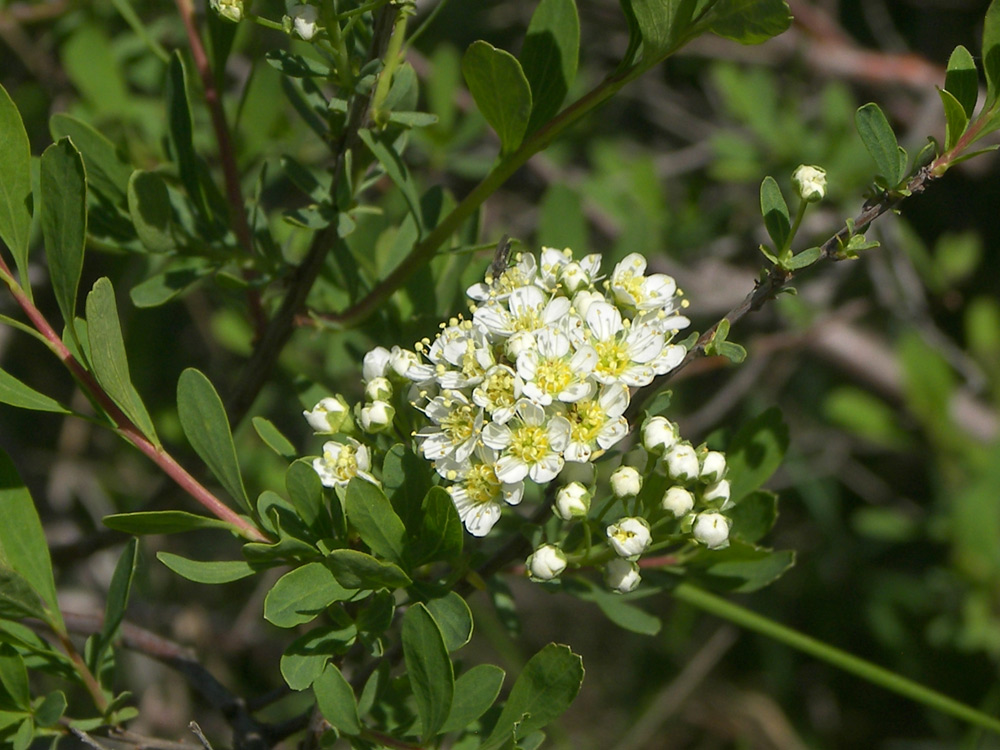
<point x="459" y="424"/>
<point x="481" y="484"/>
<point x="586" y="420"/>
<point x="553" y="376"/>
<point x="470" y="365"/>
<point x="613" y="357"/>
<point x="530" y="444"/>
<point x="499" y="390"/>
<point x="346" y="465"/>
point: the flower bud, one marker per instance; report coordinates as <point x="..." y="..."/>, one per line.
<point x="682" y="463"/>
<point x="546" y="563"/>
<point x="678" y="501"/>
<point x="626" y="482"/>
<point x="231" y="10"/>
<point x="713" y="466"/>
<point x="712" y="530"/>
<point x="572" y="501"/>
<point x="658" y="434"/>
<point x="378" y="389"/>
<point x="629" y="537"/>
<point x="716" y="495"/>
<point x="402" y="361"/>
<point x="304" y="18"/>
<point x="809" y="182"/>
<point x="574" y="278"/>
<point x="517" y="344"/>
<point x="375" y="363"/>
<point x="583" y="300"/>
<point x="328" y="416"/>
<point x="376" y="416"/>
<point x="621" y="575"/>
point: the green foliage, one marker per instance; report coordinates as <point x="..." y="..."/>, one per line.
<point x="880" y="140"/>
<point x="15" y="195"/>
<point x="64" y="220"/>
<point x="501" y="90"/>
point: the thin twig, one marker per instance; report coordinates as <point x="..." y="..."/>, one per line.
<point x="196" y="731"/>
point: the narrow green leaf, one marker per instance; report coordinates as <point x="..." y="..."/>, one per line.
<point x="549" y="57"/>
<point x="305" y="658"/>
<point x="21" y="739"/>
<point x="440" y="536"/>
<point x="206" y="571"/>
<point x="151" y="212"/>
<point x="617" y="609"/>
<point x="454" y="617"/>
<point x="370" y="513"/>
<point x="336" y="701"/>
<point x="108" y="357"/>
<point x="204" y="420"/>
<point x="15" y="187"/>
<point x="160" y="288"/>
<point x="475" y="692"/>
<point x="750" y="21"/>
<point x="544" y="690"/>
<point x="301" y="594"/>
<point x="741" y="567"/>
<point x="14" y="677"/>
<point x="16" y="393"/>
<point x="956" y="121"/>
<point x="274" y="439"/>
<point x="991" y="53"/>
<point x="306" y="493"/>
<point x="880" y="141"/>
<point x="23" y="547"/>
<point x="107" y="170"/>
<point x="356" y="570"/>
<point x="501" y="91"/>
<point x="161" y="522"/>
<point x="114" y="609"/>
<point x="296" y="66"/>
<point x="775" y="212"/>
<point x="63" y="188"/>
<point x="801" y="260"/>
<point x="428" y="668"/>
<point x="962" y="79"/>
<point x="755" y="452"/>
<point x="383" y="150"/>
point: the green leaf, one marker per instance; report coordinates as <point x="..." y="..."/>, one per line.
<point x="114" y="608"/>
<point x="296" y="66"/>
<point x="962" y="80"/>
<point x="274" y="440"/>
<point x="51" y="709"/>
<point x="108" y="357"/>
<point x="22" y="738"/>
<point x="305" y="658"/>
<point x="63" y="194"/>
<point x="305" y="492"/>
<point x="749" y="21"/>
<point x="23" y="547"/>
<point x="301" y="594"/>
<point x="741" y="567"/>
<point x="501" y="91"/>
<point x="107" y="170"/>
<point x="775" y="212"/>
<point x="18" y="599"/>
<point x="356" y="570"/>
<point x="617" y="609"/>
<point x="440" y="536"/>
<point x="14" y="677"/>
<point x="163" y="287"/>
<point x="802" y="260"/>
<point x="991" y="53"/>
<point x="406" y="482"/>
<point x="755" y="452"/>
<point x="428" y="669"/>
<point x="15" y="187"/>
<point x="880" y="142"/>
<point x="956" y="121"/>
<point x="206" y="571"/>
<point x="16" y="393"/>
<point x="204" y="420"/>
<point x="544" y="690"/>
<point x="161" y="522"/>
<point x="549" y="57"/>
<point x="336" y="701"/>
<point x="370" y="513"/>
<point x="753" y="516"/>
<point x="454" y="617"/>
<point x="383" y="150"/>
<point x="152" y="215"/>
<point x="665" y="25"/>
<point x="475" y="692"/>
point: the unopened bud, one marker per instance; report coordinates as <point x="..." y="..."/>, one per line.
<point x="626" y="481"/>
<point x="809" y="182"/>
<point x="572" y="502"/>
<point x="621" y="575"/>
<point x="328" y="416"/>
<point x="546" y="563"/>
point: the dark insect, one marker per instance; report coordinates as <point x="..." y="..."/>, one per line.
<point x="500" y="258"/>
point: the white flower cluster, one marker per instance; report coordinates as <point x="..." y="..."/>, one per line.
<point x="538" y="376"/>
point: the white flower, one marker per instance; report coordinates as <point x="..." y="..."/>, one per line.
<point x="809" y="182"/>
<point x="375" y="363"/>
<point x="456" y="428"/>
<point x="529" y="445"/>
<point x="625" y="355"/>
<point x="630" y="537"/>
<point x="304" y="19"/>
<point x="621" y="575"/>
<point x="328" y="416"/>
<point x="231" y="10"/>
<point x="521" y="274"/>
<point x="528" y="309"/>
<point x="550" y="266"/>
<point x="632" y="288"/>
<point x="572" y="502"/>
<point x="626" y="481"/>
<point x="553" y="371"/>
<point x="498" y="393"/>
<point x="597" y="424"/>
<point x="407" y="365"/>
<point x="678" y="501"/>
<point x="716" y="495"/>
<point x="376" y="416"/>
<point x="658" y="434"/>
<point x="584" y="299"/>
<point x="341" y="462"/>
<point x="478" y="492"/>
<point x="461" y="355"/>
<point x="713" y="467"/>
<point x="682" y="463"/>
<point x="712" y="530"/>
<point x="519" y="342"/>
<point x="546" y="563"/>
<point x="378" y="389"/>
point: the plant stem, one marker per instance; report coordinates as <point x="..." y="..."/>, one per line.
<point x="93" y="687"/>
<point x="843" y="660"/>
